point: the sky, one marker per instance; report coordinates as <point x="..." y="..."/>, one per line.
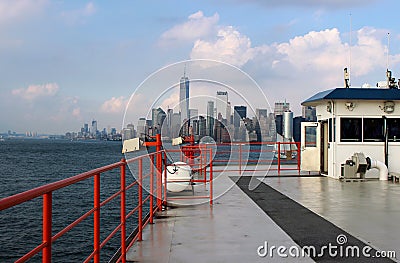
<point x="65" y="63"/>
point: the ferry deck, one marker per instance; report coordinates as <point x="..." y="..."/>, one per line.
<point x="288" y="210"/>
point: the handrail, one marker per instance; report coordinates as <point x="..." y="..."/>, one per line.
<point x="46" y="191"/>
<point x="19" y="198"/>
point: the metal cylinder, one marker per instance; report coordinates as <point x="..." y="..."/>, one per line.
<point x="287" y="124"/>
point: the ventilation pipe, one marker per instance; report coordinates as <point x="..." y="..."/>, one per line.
<point x="383" y="170"/>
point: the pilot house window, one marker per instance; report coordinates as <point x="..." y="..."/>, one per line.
<point x="350" y="129"/>
<point x="373" y="129"/>
<point x="393" y="129"/>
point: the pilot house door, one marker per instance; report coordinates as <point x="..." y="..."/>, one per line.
<point x="310" y="146"/>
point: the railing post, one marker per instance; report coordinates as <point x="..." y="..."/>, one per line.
<point x="159" y="171"/>
<point x="165" y="180"/>
<point x="298" y="157"/>
<point x="96" y="218"/>
<point x="123" y="211"/>
<point x="151" y="188"/>
<point x="211" y="178"/>
<point x="279" y="158"/>
<point x="205" y="164"/>
<point x="140" y="198"/>
<point x="47" y="222"/>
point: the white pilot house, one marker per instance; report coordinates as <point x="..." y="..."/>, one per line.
<point x="357" y="129"/>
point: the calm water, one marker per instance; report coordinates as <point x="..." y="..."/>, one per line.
<point x="30" y="163"/>
<point x="26" y="164"/>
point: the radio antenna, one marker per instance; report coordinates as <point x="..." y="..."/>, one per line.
<point x="388" y="49"/>
<point x="351" y="32"/>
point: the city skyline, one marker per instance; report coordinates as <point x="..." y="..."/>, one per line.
<point x="70" y="61"/>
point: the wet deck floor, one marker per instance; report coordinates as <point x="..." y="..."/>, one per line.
<point x="237" y="224"/>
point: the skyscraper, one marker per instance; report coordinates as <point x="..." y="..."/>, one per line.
<point x="210" y="118"/>
<point x="93" y="131"/>
<point x="141" y="127"/>
<point x="281" y="107"/>
<point x="228" y="113"/>
<point x="309" y="113"/>
<point x="222" y="103"/>
<point x="240" y="112"/>
<point x="158" y="117"/>
<point x="184" y="97"/>
<point x="263" y="123"/>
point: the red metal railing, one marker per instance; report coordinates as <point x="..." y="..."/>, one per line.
<point x="239" y="156"/>
<point x="46" y="191"/>
<point x="199" y="157"/>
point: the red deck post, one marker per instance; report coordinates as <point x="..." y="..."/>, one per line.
<point x="140" y="198"/>
<point x="151" y="188"/>
<point x="96" y="218"/>
<point x="159" y="170"/>
<point x="47" y="221"/>
<point x="279" y="158"/>
<point x="123" y="211"/>
<point x="165" y="180"/>
<point x="211" y="179"/>
<point x="298" y="156"/>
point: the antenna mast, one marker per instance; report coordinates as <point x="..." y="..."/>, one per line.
<point x="349" y="71"/>
<point x="388" y="48"/>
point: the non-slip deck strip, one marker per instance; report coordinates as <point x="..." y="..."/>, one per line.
<point x="305" y="227"/>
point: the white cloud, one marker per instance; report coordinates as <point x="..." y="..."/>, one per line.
<point x="114" y="105"/>
<point x="79" y="16"/>
<point x="11" y="10"/>
<point x="171" y="102"/>
<point x="231" y="47"/>
<point x="321" y="50"/>
<point x="36" y="91"/>
<point x="324" y="51"/>
<point x="197" y="26"/>
<point x="312" y="61"/>
<point x="213" y="41"/>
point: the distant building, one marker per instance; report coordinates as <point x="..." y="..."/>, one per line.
<point x="158" y="117"/>
<point x="184" y="98"/>
<point x="297" y="128"/>
<point x="132" y="128"/>
<point x="228" y="113"/>
<point x="210" y="118"/>
<point x="141" y="127"/>
<point x="175" y="125"/>
<point x="127" y="134"/>
<point x="240" y="112"/>
<point x="202" y="126"/>
<point x="279" y="124"/>
<point x="281" y="107"/>
<point x="263" y="124"/>
<point x="309" y="113"/>
<point x="221" y="104"/>
<point x="93" y="130"/>
<point x="168" y="122"/>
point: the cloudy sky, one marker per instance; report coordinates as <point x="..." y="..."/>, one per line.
<point x="64" y="63"/>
